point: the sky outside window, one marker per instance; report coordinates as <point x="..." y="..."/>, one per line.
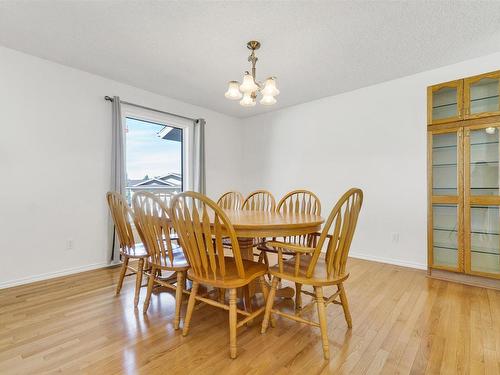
<point x="148" y="154"/>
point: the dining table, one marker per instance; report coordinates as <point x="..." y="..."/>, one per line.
<point x="250" y="225"/>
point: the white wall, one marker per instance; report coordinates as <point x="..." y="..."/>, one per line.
<point x="55" y="163"/>
<point x="373" y="138"/>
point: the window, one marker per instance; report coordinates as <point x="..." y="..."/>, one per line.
<point x="156" y="153"/>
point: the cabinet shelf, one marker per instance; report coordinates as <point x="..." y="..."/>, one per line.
<point x="485" y="98"/>
<point x="484" y="143"/>
<point x="445" y="247"/>
<point x="445" y="165"/>
<point x="483" y="162"/>
<point x="484" y="252"/>
<point x="438" y="147"/>
<point x="444" y="105"/>
<point x="472" y="231"/>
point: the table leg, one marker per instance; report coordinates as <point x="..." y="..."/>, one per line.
<point x="246" y="249"/>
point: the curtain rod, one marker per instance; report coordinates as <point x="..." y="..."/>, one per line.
<point x="109" y="98"/>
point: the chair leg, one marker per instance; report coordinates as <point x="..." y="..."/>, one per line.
<point x="263" y="287"/>
<point x="190" y="308"/>
<point x="221" y="294"/>
<point x="265" y="293"/>
<point x="138" y="281"/>
<point x="184" y="280"/>
<point x="178" y="299"/>
<point x="345" y="305"/>
<point x="320" y="303"/>
<point x="266" y="259"/>
<point x="269" y="304"/>
<point x="247" y="299"/>
<point x="298" y="296"/>
<point x="151" y="281"/>
<point x="123" y="271"/>
<point x="232" y="323"/>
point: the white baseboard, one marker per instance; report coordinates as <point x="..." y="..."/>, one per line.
<point x="51" y="275"/>
<point x="396" y="262"/>
<point x="69" y="271"/>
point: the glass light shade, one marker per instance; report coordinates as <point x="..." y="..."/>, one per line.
<point x="270" y="88"/>
<point x="268" y="100"/>
<point x="233" y="91"/>
<point x="248" y="85"/>
<point x="247" y="100"/>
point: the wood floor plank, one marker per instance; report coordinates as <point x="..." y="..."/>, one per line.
<point x="403" y="323"/>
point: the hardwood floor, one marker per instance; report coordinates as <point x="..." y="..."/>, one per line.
<point x="403" y="323"/>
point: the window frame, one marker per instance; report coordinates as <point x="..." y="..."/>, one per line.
<point x="187" y="144"/>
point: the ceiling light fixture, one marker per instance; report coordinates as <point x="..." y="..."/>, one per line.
<point x="248" y="90"/>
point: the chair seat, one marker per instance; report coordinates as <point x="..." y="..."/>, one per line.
<point x="319" y="277"/>
<point x="138" y="251"/>
<point x="179" y="261"/>
<point x="231" y="278"/>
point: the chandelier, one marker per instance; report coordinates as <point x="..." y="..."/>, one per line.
<point x="248" y="90"/>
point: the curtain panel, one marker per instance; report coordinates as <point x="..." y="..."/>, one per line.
<point x="199" y="157"/>
<point x="118" y="179"/>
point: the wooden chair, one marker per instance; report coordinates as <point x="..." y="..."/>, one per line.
<point x="197" y="220"/>
<point x="122" y="215"/>
<point x="298" y="201"/>
<point x="307" y="268"/>
<point x="155" y="224"/>
<point x="259" y="200"/>
<point x="232" y="200"/>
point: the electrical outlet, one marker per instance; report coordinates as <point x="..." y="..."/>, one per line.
<point x="395" y="237"/>
<point x="69" y="244"/>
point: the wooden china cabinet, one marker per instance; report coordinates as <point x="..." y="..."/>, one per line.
<point x="463" y="180"/>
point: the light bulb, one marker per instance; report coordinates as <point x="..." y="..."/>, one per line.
<point x="248" y="85"/>
<point x="270" y="87"/>
<point x="490" y="130"/>
<point x="268" y="100"/>
<point x="233" y="91"/>
<point x="247" y="100"/>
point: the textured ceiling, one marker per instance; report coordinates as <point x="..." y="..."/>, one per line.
<point x="189" y="50"/>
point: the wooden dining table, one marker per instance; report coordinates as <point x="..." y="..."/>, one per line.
<point x="259" y="224"/>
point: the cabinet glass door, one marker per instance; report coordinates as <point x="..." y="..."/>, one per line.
<point x="445" y="235"/>
<point x="482" y="95"/>
<point x="446" y="201"/>
<point x="445" y="101"/>
<point x="483" y="161"/>
<point x="444" y="164"/>
<point x="482" y="201"/>
<point x="485" y="239"/>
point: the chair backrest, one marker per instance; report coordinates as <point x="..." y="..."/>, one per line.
<point x="154" y="224"/>
<point x="121" y="215"/>
<point x="300" y="201"/>
<point x="260" y="200"/>
<point x="337" y="234"/>
<point x="232" y="200"/>
<point x="201" y="224"/>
